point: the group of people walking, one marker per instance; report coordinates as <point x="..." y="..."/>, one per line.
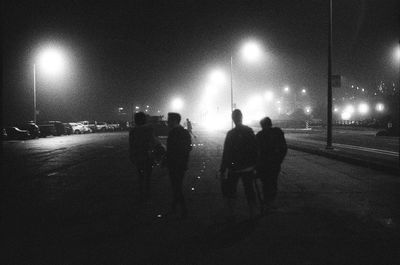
<point x="249" y="157"/>
<point x="246" y="156"/>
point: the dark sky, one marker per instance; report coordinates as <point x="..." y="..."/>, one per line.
<point x="145" y="52"/>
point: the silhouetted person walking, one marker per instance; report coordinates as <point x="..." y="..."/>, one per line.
<point x="141" y="143"/>
<point x="272" y="150"/>
<point x="189" y="127"/>
<point x="177" y="158"/>
<point x="238" y="162"/>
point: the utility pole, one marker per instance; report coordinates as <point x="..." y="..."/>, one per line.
<point x="329" y="107"/>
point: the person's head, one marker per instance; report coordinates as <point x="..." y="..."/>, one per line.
<point x="173" y="119"/>
<point x="237" y="117"/>
<point x="187" y="119"/>
<point x="140" y="118"/>
<point x="266" y="123"/>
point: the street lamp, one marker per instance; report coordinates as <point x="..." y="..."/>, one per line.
<point x="177" y="104"/>
<point x="251" y="52"/>
<point x="51" y="61"/>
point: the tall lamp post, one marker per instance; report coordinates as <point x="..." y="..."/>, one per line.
<point x="329" y="105"/>
<point x="51" y="61"/>
<point x="251" y="52"/>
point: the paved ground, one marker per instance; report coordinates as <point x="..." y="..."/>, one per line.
<point x="75" y="202"/>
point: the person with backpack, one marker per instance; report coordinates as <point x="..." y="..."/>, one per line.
<point x="272" y="150"/>
<point x="238" y="162"/>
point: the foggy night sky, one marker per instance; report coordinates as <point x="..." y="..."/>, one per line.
<point x="146" y="52"/>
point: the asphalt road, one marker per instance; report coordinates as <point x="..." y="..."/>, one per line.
<point x="73" y="200"/>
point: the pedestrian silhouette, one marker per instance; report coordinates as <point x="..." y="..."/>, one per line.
<point x="238" y="162"/>
<point x="189" y="127"/>
<point x="142" y="142"/>
<point x="272" y="150"/>
<point x="177" y="157"/>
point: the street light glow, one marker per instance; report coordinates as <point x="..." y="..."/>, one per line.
<point x="177" y="104"/>
<point x="251" y="51"/>
<point x="218" y="77"/>
<point x="51" y="61"/>
<point x="363" y="108"/>
<point x="303" y="91"/>
<point x="286" y="89"/>
<point x="349" y="109"/>
<point x="346" y="116"/>
<point x="380" y="107"/>
<point x="269" y="96"/>
<point x="397" y="53"/>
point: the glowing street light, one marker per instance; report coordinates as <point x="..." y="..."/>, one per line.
<point x="251" y="52"/>
<point x="286" y="89"/>
<point x="52" y="62"/>
<point x="363" y="108"/>
<point x="380" y="107"/>
<point x="177" y="104"/>
<point x="397" y="53"/>
<point x="217" y="77"/>
<point x="346" y="116"/>
<point x="303" y="91"/>
<point x="349" y="109"/>
<point x="269" y="96"/>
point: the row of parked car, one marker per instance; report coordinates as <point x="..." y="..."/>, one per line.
<point x="29" y="130"/>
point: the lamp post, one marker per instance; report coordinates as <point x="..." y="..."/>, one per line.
<point x="34" y="93"/>
<point x="251" y="51"/>
<point x="51" y="60"/>
<point x="329" y="105"/>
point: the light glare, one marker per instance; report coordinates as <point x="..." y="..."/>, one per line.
<point x="269" y="96"/>
<point x="380" y="107"/>
<point x="251" y="51"/>
<point x="51" y="61"/>
<point x="363" y="108"/>
<point x="177" y="104"/>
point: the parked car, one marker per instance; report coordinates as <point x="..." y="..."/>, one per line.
<point x="31" y="127"/>
<point x="68" y="128"/>
<point x="77" y="128"/>
<point x="59" y="126"/>
<point x="17" y="134"/>
<point x="47" y="129"/>
<point x="90" y="126"/>
<point x="112" y="126"/>
<point x="101" y="126"/>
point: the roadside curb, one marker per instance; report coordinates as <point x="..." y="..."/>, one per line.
<point x="348" y="158"/>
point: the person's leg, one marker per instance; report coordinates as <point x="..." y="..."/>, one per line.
<point x="173" y="180"/>
<point x="141" y="177"/>
<point x="230" y="194"/>
<point x="248" y="183"/>
<point x="179" y="192"/>
<point x="176" y="178"/>
<point x="147" y="176"/>
<point x="270" y="186"/>
<point x="274" y="183"/>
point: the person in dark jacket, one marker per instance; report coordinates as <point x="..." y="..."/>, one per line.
<point x="238" y="162"/>
<point x="141" y="143"/>
<point x="177" y="158"/>
<point x="272" y="149"/>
